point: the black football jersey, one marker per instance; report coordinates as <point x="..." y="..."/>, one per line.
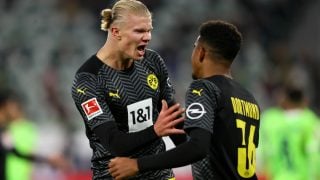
<point x="131" y="98"/>
<point x="231" y="114"/>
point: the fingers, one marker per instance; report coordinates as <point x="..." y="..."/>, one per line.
<point x="113" y="168"/>
<point x="175" y="130"/>
<point x="177" y="113"/>
<point x="123" y="167"/>
<point x="164" y="104"/>
<point x="176" y="122"/>
<point x="171" y="109"/>
<point x="114" y="172"/>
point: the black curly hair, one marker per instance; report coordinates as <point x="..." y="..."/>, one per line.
<point x="222" y="38"/>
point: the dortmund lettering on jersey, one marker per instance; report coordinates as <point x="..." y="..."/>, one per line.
<point x="221" y="106"/>
<point x="245" y="108"/>
<point x="130" y="98"/>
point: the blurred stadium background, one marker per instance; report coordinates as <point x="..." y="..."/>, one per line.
<point x="43" y="42"/>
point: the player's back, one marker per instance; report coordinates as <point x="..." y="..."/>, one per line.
<point x="235" y="132"/>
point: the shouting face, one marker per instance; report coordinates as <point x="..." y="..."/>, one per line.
<point x="134" y="35"/>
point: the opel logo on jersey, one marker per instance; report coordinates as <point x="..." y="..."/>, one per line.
<point x="153" y="81"/>
<point x="195" y="111"/>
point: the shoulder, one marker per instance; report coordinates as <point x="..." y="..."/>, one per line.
<point x="204" y="84"/>
<point x="152" y="55"/>
<point x="204" y="88"/>
<point x="87" y="75"/>
<point x="154" y="61"/>
<point x="92" y="66"/>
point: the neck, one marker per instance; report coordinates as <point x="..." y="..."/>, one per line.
<point x="212" y="68"/>
<point x="111" y="56"/>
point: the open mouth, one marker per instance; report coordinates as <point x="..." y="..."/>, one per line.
<point x="141" y="49"/>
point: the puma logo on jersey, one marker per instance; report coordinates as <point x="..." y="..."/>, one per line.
<point x="80" y="91"/>
<point x="198" y="92"/>
<point x="116" y="95"/>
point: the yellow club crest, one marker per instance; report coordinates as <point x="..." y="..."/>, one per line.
<point x="153" y="81"/>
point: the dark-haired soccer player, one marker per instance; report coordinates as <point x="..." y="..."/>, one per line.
<point x="9" y="149"/>
<point x="122" y="93"/>
<point x="222" y="117"/>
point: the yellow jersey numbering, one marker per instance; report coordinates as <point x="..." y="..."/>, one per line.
<point x="153" y="81"/>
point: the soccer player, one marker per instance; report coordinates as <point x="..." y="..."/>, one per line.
<point x="124" y="94"/>
<point x="9" y="148"/>
<point x="289" y="146"/>
<point x="222" y="117"/>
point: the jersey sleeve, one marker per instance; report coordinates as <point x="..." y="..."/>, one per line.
<point x="90" y="100"/>
<point x="201" y="105"/>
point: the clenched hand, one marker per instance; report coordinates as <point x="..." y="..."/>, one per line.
<point x="121" y="168"/>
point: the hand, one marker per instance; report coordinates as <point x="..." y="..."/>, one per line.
<point x="167" y="120"/>
<point x="59" y="162"/>
<point x="122" y="167"/>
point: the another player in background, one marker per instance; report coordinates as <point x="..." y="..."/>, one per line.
<point x="289" y="145"/>
<point x="16" y="158"/>
<point x="222" y="117"/>
<point x="124" y="94"/>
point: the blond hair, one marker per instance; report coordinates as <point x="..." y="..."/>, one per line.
<point x="120" y="9"/>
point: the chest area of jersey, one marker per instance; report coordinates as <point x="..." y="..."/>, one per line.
<point x="131" y="87"/>
<point x="134" y="98"/>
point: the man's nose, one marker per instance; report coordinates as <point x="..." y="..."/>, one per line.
<point x="146" y="36"/>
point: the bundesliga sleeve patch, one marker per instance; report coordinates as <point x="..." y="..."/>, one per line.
<point x="91" y="108"/>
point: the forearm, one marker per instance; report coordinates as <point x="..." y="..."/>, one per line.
<point x="193" y="150"/>
<point x="29" y="157"/>
<point x="123" y="144"/>
<point x="178" y="138"/>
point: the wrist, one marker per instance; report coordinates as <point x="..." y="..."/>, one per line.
<point x="139" y="165"/>
<point x="155" y="132"/>
<point x="136" y="167"/>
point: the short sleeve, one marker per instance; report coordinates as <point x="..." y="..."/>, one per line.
<point x="201" y="105"/>
<point x="90" y="100"/>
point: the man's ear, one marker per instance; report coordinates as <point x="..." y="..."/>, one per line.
<point x="115" y="33"/>
<point x="202" y="53"/>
